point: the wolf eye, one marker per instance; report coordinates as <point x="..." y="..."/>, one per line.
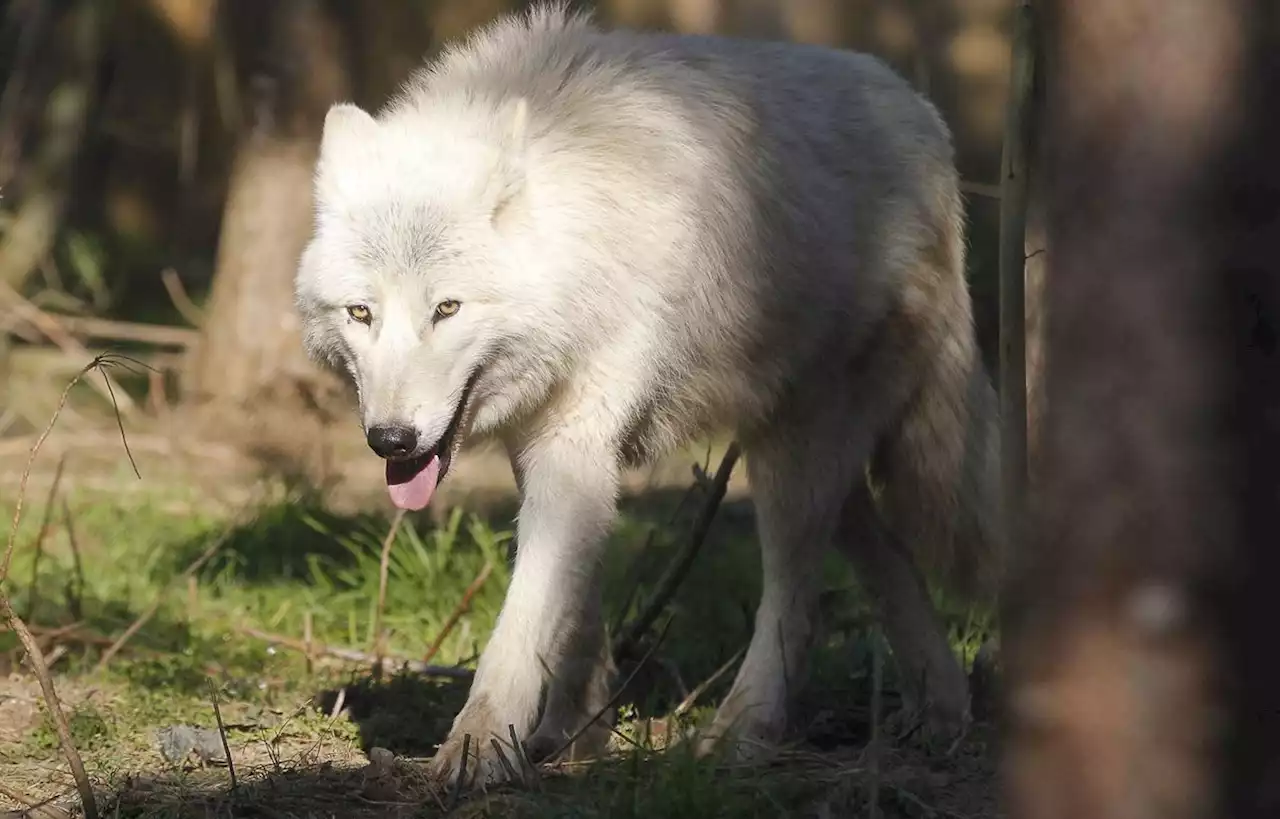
<point x="360" y="313"/>
<point x="447" y="308"/>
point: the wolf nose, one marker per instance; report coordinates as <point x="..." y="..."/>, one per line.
<point x="392" y="441"/>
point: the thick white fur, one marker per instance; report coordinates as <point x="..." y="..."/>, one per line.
<point x="653" y="237"/>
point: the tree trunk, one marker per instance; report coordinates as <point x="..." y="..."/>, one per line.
<point x="298" y="64"/>
<point x="1140" y="618"/>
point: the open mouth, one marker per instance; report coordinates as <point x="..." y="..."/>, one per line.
<point x="412" y="482"/>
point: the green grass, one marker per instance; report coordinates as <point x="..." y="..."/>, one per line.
<point x="107" y="563"/>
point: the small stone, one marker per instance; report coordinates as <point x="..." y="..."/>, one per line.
<point x="381" y="760"/>
<point x="177" y="742"/>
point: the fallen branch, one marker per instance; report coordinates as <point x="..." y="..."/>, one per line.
<point x="463" y="604"/>
<point x="52" y="329"/>
<point x="18" y="796"/>
<point x="76" y="633"/>
<point x="100" y="329"/>
<point x="46" y="359"/>
<point x="54" y="633"/>
<point x="679" y="568"/>
<point x="362" y="657"/>
<point x="142" y="619"/>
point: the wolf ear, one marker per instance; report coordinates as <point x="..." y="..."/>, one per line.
<point x="346" y="127"/>
<point x="512" y="168"/>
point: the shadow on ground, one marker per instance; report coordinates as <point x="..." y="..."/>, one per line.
<point x="904" y="782"/>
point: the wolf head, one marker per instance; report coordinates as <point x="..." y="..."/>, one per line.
<point x="428" y="280"/>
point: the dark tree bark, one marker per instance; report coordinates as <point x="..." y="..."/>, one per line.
<point x="1140" y="618"/>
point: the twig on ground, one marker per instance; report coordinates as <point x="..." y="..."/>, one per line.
<point x="689" y="701"/>
<point x="142" y="619"/>
<point x="613" y="701"/>
<point x="506" y="763"/>
<point x="460" y="783"/>
<point x="362" y="657"/>
<point x="679" y="568"/>
<point x="36" y="658"/>
<point x="77" y="634"/>
<point x="463" y="604"/>
<point x="384" y="566"/>
<point x="222" y="734"/>
<point x="525" y="764"/>
<point x="21" y="798"/>
<point x="181" y="301"/>
<point x="32" y="592"/>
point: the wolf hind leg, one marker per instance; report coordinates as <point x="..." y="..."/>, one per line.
<point x="934" y="685"/>
<point x="800" y="473"/>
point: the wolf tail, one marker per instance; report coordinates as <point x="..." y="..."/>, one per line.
<point x="936" y="470"/>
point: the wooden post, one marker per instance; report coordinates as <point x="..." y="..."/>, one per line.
<point x="1014" y="185"/>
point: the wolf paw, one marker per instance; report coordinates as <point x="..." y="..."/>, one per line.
<point x="484" y="765"/>
<point x="478" y="752"/>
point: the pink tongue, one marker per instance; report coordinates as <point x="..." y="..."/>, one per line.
<point x="415" y="492"/>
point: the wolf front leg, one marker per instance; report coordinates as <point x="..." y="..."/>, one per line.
<point x="569" y="492"/>
<point x="579" y="688"/>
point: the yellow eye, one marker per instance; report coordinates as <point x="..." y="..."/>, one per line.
<point x="360" y="313"/>
<point x="447" y="308"/>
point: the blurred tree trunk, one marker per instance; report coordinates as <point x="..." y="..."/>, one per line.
<point x="293" y="62"/>
<point x="393" y="39"/>
<point x="44" y="186"/>
<point x="1139" y="620"/>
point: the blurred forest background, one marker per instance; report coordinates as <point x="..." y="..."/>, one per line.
<point x="155" y="162"/>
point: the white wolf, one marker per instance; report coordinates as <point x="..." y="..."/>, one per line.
<point x="598" y="245"/>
